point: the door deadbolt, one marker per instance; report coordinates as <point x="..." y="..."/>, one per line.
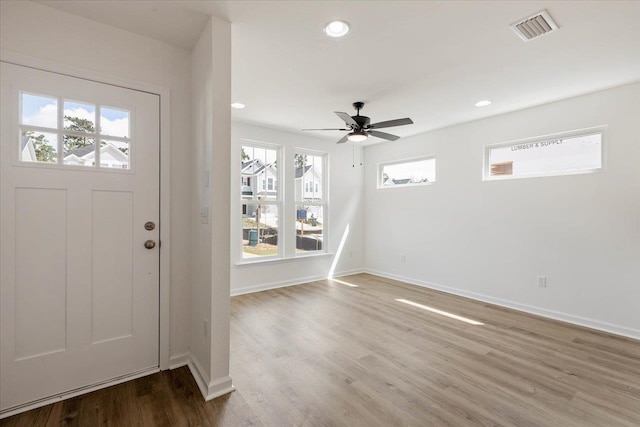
<point x="149" y="225"/>
<point x="149" y="244"/>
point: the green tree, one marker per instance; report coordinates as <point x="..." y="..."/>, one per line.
<point x="44" y="152"/>
<point x="243" y="156"/>
<point x="73" y="142"/>
<point x="301" y="160"/>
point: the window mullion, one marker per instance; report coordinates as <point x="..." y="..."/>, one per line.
<point x="60" y="130"/>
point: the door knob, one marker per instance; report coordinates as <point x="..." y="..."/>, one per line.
<point x="150" y="244"/>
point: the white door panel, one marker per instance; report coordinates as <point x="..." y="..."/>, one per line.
<point x="79" y="291"/>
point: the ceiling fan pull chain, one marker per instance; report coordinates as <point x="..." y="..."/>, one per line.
<point x="353" y="154"/>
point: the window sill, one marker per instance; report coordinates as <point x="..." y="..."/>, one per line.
<point x="281" y="260"/>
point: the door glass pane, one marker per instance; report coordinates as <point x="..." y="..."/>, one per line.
<point x="79" y="151"/>
<point x="79" y="117"/>
<point x="39" y="147"/>
<point x="114" y="154"/>
<point x="309" y="228"/>
<point x="73" y="143"/>
<point x="114" y="122"/>
<point x="39" y="110"/>
<point x="259" y="230"/>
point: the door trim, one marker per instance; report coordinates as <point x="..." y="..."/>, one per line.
<point x="164" y="94"/>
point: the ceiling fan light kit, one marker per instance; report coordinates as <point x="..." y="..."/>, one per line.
<point x="357" y="136"/>
<point x="360" y="127"/>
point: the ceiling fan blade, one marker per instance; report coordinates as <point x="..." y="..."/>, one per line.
<point x="325" y="129"/>
<point x="391" y="123"/>
<point x="383" y="135"/>
<point x="343" y="139"/>
<point x="346" y="118"/>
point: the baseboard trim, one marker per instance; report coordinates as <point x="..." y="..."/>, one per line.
<point x="77" y="392"/>
<point x="179" y="360"/>
<point x="556" y="315"/>
<point x="209" y="389"/>
<point x="287" y="283"/>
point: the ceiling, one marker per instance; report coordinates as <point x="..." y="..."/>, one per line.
<point x="430" y="60"/>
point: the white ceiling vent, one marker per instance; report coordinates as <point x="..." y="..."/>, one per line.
<point x="534" y="26"/>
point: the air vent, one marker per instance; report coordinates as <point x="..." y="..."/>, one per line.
<point x="534" y="26"/>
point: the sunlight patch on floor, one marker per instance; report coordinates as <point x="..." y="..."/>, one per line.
<point x="443" y="313"/>
<point x="345" y="283"/>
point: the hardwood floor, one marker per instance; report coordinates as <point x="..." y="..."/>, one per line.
<point x="347" y="353"/>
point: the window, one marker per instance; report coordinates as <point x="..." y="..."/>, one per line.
<point x="310" y="176"/>
<point x="567" y="153"/>
<point x="58" y="131"/>
<point x="410" y="172"/>
<point x="260" y="206"/>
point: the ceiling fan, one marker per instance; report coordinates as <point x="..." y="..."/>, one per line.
<point x="360" y="129"/>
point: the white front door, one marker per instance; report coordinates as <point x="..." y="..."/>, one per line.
<point x="79" y="181"/>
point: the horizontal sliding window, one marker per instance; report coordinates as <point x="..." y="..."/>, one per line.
<point x="574" y="152"/>
<point x="407" y="172"/>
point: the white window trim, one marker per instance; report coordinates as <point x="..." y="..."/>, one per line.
<point x="279" y="202"/>
<point x="324" y="203"/>
<point x="602" y="130"/>
<point x="381" y="165"/>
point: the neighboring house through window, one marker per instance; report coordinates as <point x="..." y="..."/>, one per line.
<point x="311" y="201"/>
<point x="260" y="206"/>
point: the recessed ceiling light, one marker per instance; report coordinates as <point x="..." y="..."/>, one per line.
<point x="483" y="103"/>
<point x="336" y="28"/>
<point x="238" y="105"/>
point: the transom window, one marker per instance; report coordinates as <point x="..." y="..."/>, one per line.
<point x="401" y="173"/>
<point x="64" y="132"/>
<point x="567" y="153"/>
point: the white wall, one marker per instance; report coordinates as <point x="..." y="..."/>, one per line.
<point x="35" y="30"/>
<point x="345" y="199"/>
<point x="211" y="97"/>
<point x="492" y="239"/>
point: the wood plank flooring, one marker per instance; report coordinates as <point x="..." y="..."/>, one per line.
<point x="347" y="353"/>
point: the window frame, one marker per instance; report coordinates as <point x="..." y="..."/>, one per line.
<point x="324" y="202"/>
<point x="601" y="130"/>
<point x="278" y="202"/>
<point x="381" y="166"/>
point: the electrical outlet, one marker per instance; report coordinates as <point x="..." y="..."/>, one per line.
<point x="542" y="282"/>
<point x="205" y="328"/>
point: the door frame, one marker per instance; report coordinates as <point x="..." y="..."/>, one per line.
<point x="164" y="228"/>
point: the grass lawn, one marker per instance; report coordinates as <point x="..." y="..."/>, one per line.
<point x="261" y="249"/>
<point x="251" y="223"/>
